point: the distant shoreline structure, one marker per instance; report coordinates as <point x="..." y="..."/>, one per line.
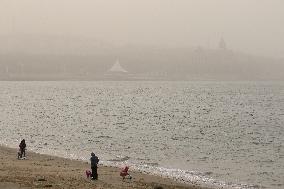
<point x="117" y="68"/>
<point x="132" y="77"/>
<point x="142" y="64"/>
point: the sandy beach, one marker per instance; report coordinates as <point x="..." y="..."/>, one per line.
<point x="43" y="171"/>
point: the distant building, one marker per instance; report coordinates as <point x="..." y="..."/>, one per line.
<point x="117" y="68"/>
<point x="222" y="44"/>
<point x="117" y="72"/>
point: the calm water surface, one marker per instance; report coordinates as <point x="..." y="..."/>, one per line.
<point x="217" y="133"/>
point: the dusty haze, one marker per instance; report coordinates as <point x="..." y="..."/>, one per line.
<point x="253" y="26"/>
<point x="141" y="40"/>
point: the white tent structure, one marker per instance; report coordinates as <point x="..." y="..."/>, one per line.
<point x="117" y="68"/>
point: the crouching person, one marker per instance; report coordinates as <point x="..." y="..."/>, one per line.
<point x="124" y="173"/>
<point x="88" y="174"/>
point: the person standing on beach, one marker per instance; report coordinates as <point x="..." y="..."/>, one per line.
<point x="94" y="166"/>
<point x="23" y="146"/>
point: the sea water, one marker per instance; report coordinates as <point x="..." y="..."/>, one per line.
<point x="223" y="134"/>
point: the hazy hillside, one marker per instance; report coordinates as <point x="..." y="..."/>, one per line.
<point x="53" y="57"/>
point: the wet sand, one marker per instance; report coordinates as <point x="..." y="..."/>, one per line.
<point x="43" y="171"/>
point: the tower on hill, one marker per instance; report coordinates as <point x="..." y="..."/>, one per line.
<point x="222" y="44"/>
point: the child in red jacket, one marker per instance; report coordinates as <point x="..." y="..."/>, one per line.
<point x="124" y="173"/>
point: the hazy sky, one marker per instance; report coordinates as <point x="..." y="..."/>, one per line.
<point x="254" y="26"/>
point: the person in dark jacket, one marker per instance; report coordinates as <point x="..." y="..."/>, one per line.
<point x="94" y="166"/>
<point x="23" y="149"/>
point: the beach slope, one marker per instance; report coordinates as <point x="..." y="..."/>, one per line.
<point x="43" y="171"/>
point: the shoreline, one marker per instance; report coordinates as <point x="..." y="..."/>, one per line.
<point x="45" y="171"/>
